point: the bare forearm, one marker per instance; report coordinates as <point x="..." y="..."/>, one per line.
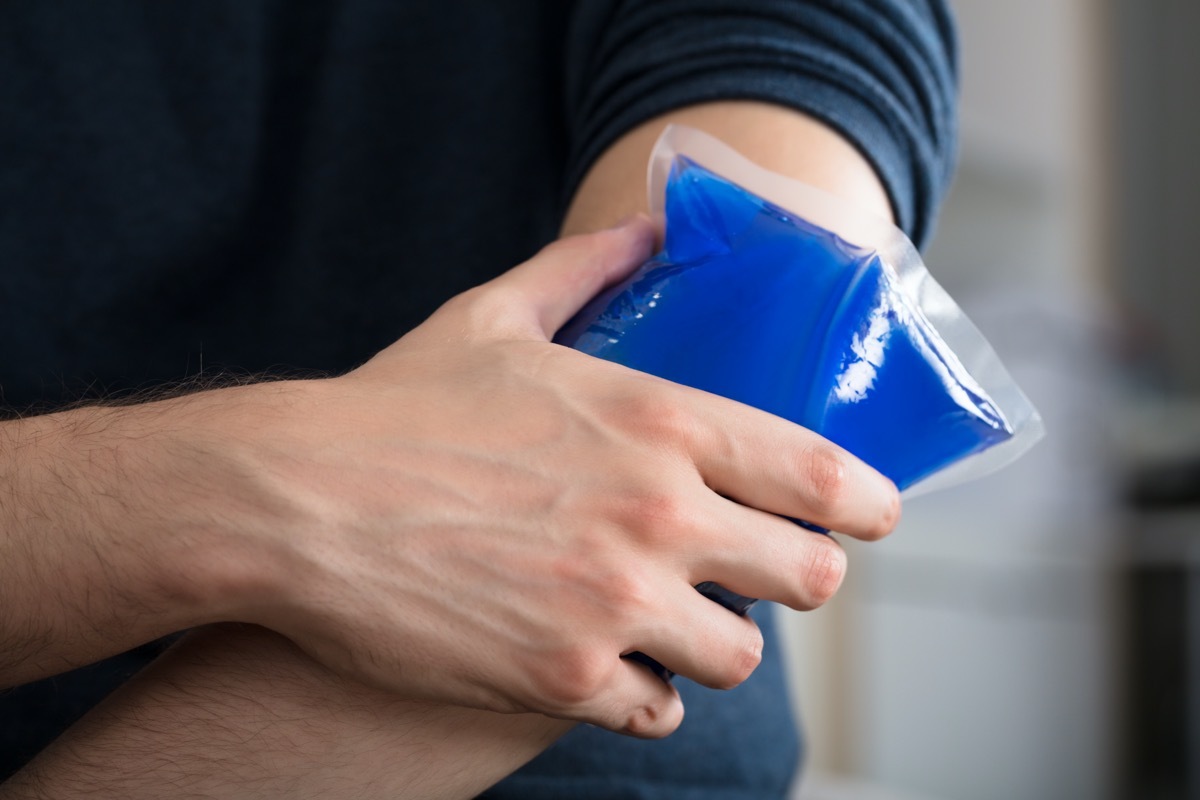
<point x="240" y="712"/>
<point x="113" y="531"/>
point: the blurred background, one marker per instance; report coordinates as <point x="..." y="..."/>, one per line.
<point x="1036" y="634"/>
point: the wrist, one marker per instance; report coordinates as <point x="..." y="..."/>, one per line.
<point x="162" y="516"/>
<point x="145" y="506"/>
<point x="230" y="521"/>
<point x="92" y="556"/>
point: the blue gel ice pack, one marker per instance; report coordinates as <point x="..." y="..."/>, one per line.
<point x="753" y="303"/>
<point x="749" y="301"/>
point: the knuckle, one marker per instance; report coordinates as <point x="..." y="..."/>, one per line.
<point x="480" y="309"/>
<point x="672" y="422"/>
<point x="461" y="301"/>
<point x="657" y="418"/>
<point x="824" y="572"/>
<point x="573" y="678"/>
<point x="457" y="308"/>
<point x="825" y="476"/>
<point x="489" y="305"/>
<point x="659" y="518"/>
<point x="630" y="595"/>
<point x="658" y="509"/>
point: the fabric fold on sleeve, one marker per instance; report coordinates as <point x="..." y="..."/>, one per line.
<point x="883" y="73"/>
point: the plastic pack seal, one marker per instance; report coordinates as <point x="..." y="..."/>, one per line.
<point x="793" y="300"/>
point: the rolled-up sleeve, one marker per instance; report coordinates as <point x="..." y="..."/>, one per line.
<point x="883" y="73"/>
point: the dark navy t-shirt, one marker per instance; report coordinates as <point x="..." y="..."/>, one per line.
<point x="264" y="186"/>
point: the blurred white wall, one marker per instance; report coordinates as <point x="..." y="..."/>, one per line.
<point x="973" y="654"/>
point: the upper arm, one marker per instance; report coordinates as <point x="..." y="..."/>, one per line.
<point x="857" y="97"/>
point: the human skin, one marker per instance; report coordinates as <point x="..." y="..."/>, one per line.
<point x="238" y="711"/>
<point x="476" y="520"/>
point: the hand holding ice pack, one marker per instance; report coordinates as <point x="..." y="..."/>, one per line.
<point x="783" y="297"/>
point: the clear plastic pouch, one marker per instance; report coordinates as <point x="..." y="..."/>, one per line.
<point x="787" y="298"/>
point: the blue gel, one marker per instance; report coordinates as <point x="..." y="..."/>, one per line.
<point x="752" y="303"/>
<point x="749" y="301"/>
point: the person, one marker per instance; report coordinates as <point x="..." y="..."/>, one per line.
<point x="412" y="539"/>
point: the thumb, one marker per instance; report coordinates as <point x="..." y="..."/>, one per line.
<point x="566" y="274"/>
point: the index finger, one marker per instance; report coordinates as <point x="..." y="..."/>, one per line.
<point x="766" y="462"/>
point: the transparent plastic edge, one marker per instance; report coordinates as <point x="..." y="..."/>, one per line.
<point x="862" y="228"/>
